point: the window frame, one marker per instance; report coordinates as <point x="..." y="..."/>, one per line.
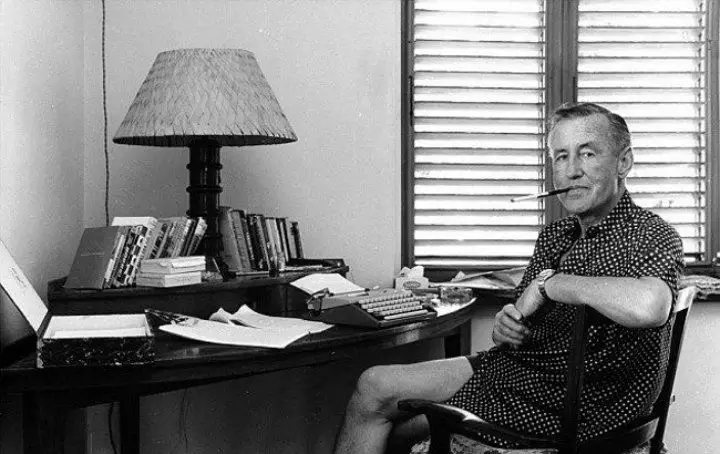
<point x="561" y="85"/>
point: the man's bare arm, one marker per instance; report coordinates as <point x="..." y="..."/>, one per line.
<point x="633" y="302"/>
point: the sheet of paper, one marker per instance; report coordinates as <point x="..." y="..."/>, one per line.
<point x="479" y="282"/>
<point x="82" y="333"/>
<point x="445" y="309"/>
<point x="100" y="325"/>
<point x="334" y="282"/>
<point x="227" y="334"/>
<point x="249" y="317"/>
<point x="19" y="289"/>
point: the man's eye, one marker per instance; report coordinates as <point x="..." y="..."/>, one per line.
<point x="559" y="157"/>
<point x="587" y="153"/>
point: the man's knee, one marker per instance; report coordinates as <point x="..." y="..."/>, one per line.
<point x="377" y="390"/>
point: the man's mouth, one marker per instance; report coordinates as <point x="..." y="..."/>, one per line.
<point x="574" y="191"/>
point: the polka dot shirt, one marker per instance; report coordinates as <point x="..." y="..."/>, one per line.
<point x="524" y="389"/>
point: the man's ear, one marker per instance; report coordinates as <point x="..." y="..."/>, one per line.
<point x="625" y="162"/>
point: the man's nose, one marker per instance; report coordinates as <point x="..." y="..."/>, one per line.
<point x="574" y="168"/>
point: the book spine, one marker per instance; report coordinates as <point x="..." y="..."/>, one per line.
<point x="167" y="238"/>
<point x="282" y="225"/>
<point x="182" y="232"/>
<point x="177" y="231"/>
<point x="154" y="230"/>
<point x="271" y="239"/>
<point x="282" y="229"/>
<point x="254" y="241"/>
<point x="295" y="230"/>
<point x="120" y="270"/>
<point x="258" y="229"/>
<point x="240" y="240"/>
<point x="118" y="259"/>
<point x="188" y="237"/>
<point x="173" y="280"/>
<point x="156" y="245"/>
<point x="279" y="245"/>
<point x="200" y="230"/>
<point x="248" y="239"/>
<point x="117" y="248"/>
<point x="136" y="254"/>
<point x="230" y="252"/>
<point x="173" y="265"/>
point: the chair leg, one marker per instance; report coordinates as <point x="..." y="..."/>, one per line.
<point x="439" y="439"/>
<point x="657" y="447"/>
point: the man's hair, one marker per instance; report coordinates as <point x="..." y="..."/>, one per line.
<point x="618" y="127"/>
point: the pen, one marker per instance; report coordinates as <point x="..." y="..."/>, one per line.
<point x="542" y="194"/>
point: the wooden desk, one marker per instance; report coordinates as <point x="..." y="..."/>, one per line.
<point x="48" y="394"/>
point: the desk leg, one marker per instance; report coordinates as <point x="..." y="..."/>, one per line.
<point x="130" y="424"/>
<point x="459" y="344"/>
<point x="43" y="424"/>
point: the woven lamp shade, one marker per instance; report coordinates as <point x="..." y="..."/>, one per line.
<point x="219" y="95"/>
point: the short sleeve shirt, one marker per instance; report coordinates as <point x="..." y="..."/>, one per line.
<point x="524" y="389"/>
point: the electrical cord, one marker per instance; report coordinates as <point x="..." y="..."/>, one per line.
<point x="111" y="410"/>
<point x="105" y="124"/>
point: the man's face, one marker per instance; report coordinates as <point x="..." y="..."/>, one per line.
<point x="582" y="155"/>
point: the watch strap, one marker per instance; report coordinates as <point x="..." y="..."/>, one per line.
<point x="542" y="279"/>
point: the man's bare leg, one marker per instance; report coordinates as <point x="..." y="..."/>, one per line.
<point x="372" y="409"/>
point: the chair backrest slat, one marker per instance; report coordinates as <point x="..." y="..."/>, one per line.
<point x="574" y="383"/>
<point x="682" y="306"/>
<point x="576" y="371"/>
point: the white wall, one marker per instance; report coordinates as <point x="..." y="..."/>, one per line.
<point x="41" y="135"/>
<point x="334" y="66"/>
<point x="41" y="153"/>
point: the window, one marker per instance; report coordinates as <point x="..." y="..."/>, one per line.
<point x="482" y="76"/>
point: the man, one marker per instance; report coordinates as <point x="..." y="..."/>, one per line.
<point x="610" y="255"/>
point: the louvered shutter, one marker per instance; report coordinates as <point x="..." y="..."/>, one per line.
<point x="478" y="103"/>
<point x="645" y="59"/>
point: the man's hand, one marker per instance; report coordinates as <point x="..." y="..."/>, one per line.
<point x="508" y="328"/>
<point x="531" y="300"/>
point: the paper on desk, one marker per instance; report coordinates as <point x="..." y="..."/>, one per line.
<point x="227" y="334"/>
<point x="252" y="319"/>
<point x="332" y="281"/>
<point x="479" y="282"/>
<point x="506" y="279"/>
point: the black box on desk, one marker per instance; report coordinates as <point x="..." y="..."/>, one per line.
<point x="95" y="340"/>
<point x="76" y="340"/>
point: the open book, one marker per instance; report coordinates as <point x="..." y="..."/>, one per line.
<point x="244" y="328"/>
<point x="249" y="318"/>
<point x="506" y="279"/>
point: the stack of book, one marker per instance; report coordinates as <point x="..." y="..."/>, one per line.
<point x="251" y="241"/>
<point x="171" y="272"/>
<point x="177" y="236"/>
<point x="109" y="257"/>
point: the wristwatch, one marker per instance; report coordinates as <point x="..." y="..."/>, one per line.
<point x="542" y="278"/>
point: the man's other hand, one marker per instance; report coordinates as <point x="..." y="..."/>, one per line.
<point x="508" y="328"/>
<point x="531" y="300"/>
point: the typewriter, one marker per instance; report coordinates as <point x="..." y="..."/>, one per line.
<point x="371" y="308"/>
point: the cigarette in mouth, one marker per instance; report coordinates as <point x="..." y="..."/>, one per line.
<point x="542" y="194"/>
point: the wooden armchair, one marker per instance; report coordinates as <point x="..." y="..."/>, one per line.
<point x="447" y="421"/>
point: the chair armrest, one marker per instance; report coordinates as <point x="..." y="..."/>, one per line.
<point x="624" y="438"/>
<point x="457" y="420"/>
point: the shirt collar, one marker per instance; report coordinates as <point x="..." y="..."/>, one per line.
<point x="620" y="213"/>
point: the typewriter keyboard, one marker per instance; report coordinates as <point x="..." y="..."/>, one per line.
<point x="393" y="305"/>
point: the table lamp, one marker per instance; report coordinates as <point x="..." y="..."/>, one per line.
<point x="205" y="99"/>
